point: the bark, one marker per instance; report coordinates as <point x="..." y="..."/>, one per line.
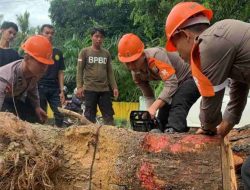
<point x="240" y="140"/>
<point x="95" y="157"/>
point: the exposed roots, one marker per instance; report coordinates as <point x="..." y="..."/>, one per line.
<point x="24" y="163"/>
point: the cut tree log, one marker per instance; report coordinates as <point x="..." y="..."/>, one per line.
<point x="96" y="157"/>
<point x="240" y="142"/>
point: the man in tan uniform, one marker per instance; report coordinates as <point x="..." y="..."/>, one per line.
<point x="95" y="77"/>
<point x="179" y="92"/>
<point x="18" y="80"/>
<point x="215" y="53"/>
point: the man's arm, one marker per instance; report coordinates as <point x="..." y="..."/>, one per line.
<point x="145" y="88"/>
<point x="171" y="83"/>
<point x="61" y="85"/>
<point x="217" y="56"/>
<point x="61" y="77"/>
<point x="235" y="107"/>
<point x="33" y="95"/>
<point x="210" y="111"/>
<point x="111" y="78"/>
<point x="2" y="94"/>
<point x="169" y="89"/>
<point x="79" y="74"/>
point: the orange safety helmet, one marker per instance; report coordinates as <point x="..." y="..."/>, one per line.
<point x="181" y="13"/>
<point x="39" y="48"/>
<point x="130" y="48"/>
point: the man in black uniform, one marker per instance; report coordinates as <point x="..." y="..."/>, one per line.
<point x="52" y="83"/>
<point x="8" y="32"/>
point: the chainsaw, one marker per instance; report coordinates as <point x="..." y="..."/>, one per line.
<point x="141" y="121"/>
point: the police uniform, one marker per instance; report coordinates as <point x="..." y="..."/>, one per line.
<point x="15" y="87"/>
<point x="49" y="88"/>
<point x="224" y="51"/>
<point x="179" y="90"/>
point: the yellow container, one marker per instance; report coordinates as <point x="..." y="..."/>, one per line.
<point x="122" y="110"/>
<point x="49" y="112"/>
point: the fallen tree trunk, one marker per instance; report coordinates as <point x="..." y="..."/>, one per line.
<point x="240" y="142"/>
<point x="95" y="157"/>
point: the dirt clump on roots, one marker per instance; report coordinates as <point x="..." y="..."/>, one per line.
<point x="24" y="163"/>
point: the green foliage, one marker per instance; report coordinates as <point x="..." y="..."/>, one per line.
<point x="71" y="49"/>
<point x="23" y="22"/>
<point x="127" y="88"/>
<point x="73" y="20"/>
<point x="79" y="16"/>
<point x="233" y="9"/>
<point x="24" y="30"/>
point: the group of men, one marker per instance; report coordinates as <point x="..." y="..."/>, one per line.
<point x="27" y="83"/>
<point x="208" y="55"/>
<point x="215" y="53"/>
<point x="28" y="94"/>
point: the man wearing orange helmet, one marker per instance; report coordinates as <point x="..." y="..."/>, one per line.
<point x="18" y="80"/>
<point x="179" y="92"/>
<point x="215" y="53"/>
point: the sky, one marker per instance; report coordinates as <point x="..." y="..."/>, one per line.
<point x="38" y="10"/>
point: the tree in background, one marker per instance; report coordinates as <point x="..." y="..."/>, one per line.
<point x="146" y="18"/>
<point x="1" y="19"/>
<point x="23" y="22"/>
<point x="79" y="16"/>
<point x="233" y="9"/>
<point x="24" y="30"/>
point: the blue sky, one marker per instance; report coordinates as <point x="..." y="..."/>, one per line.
<point x="38" y="10"/>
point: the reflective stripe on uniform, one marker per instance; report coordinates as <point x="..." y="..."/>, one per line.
<point x="221" y="86"/>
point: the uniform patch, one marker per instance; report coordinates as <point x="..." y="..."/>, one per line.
<point x="155" y="69"/>
<point x="164" y="70"/>
<point x="99" y="60"/>
<point x="57" y="57"/>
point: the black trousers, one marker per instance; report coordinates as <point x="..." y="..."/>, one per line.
<point x="174" y="115"/>
<point x="51" y="95"/>
<point x="245" y="173"/>
<point x="25" y="110"/>
<point x="103" y="100"/>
